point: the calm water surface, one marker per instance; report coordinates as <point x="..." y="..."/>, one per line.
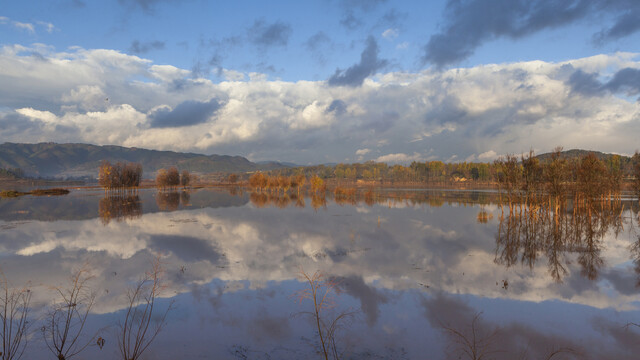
<point x="407" y="266"/>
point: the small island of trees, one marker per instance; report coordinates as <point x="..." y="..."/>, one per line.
<point x="172" y="178"/>
<point x="119" y="176"/>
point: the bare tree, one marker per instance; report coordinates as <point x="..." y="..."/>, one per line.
<point x="472" y="344"/>
<point x="14" y="312"/>
<point x="65" y="323"/>
<point x="320" y="292"/>
<point x="139" y="328"/>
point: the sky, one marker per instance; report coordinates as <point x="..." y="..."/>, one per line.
<point x="324" y="81"/>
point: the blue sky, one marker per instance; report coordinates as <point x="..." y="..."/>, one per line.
<point x="323" y="81"/>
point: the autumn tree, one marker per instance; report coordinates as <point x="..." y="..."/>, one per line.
<point x="104" y="174"/>
<point x="120" y="175"/>
<point x="509" y="174"/>
<point x="531" y="173"/>
<point x="636" y="172"/>
<point x="554" y="173"/>
<point x="591" y="177"/>
<point x="185" y="178"/>
<point x="173" y="177"/>
<point x="258" y="181"/>
<point x="317" y="184"/>
<point x="162" y="179"/>
<point x="614" y="165"/>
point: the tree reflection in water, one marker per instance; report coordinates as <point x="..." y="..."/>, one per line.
<point x="558" y="229"/>
<point x="119" y="207"/>
<point x="171" y="200"/>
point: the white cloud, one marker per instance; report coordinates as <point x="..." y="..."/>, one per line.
<point x="488" y="155"/>
<point x="29" y="27"/>
<point x="390" y="34"/>
<point x="232" y="75"/>
<point x="46" y="116"/>
<point x="25" y="26"/>
<point x="255" y="76"/>
<point x="363" y="151"/>
<point x="90" y="97"/>
<point x="49" y="27"/>
<point x="399" y="158"/>
<point x="529" y="105"/>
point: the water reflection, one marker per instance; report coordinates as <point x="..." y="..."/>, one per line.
<point x="558" y="231"/>
<point x="119" y="207"/>
<point x="407" y="264"/>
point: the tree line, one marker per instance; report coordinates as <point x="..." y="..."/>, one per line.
<point x="509" y="172"/>
<point x="587" y="178"/>
<point x="280" y="183"/>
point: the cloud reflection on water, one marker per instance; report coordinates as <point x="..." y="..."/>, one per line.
<point x="234" y="267"/>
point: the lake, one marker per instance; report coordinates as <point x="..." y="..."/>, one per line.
<point x="412" y="274"/>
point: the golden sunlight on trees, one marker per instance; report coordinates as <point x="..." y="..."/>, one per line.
<point x="555" y="173"/>
<point x="529" y="174"/>
<point x="317" y="184"/>
<point x="170" y="178"/>
<point x="591" y="178"/>
<point x="120" y="176"/>
<point x="258" y="181"/>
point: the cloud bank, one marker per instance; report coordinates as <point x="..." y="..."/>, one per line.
<point x="107" y="97"/>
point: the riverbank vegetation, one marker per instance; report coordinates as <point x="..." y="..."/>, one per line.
<point x="36" y="192"/>
<point x="525" y="175"/>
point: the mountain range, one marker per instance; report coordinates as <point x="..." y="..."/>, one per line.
<point x="83" y="160"/>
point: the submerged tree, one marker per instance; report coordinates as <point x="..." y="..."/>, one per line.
<point x="14" y="311"/>
<point x="142" y="323"/>
<point x="185" y="178"/>
<point x="168" y="178"/>
<point x="591" y="177"/>
<point x="120" y="175"/>
<point x="321" y="291"/>
<point x="63" y="330"/>
<point x="636" y="173"/>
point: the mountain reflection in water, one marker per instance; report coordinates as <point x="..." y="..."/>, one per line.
<point x="419" y="270"/>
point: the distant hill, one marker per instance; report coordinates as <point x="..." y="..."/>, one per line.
<point x="82" y="160"/>
<point x="578" y="154"/>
